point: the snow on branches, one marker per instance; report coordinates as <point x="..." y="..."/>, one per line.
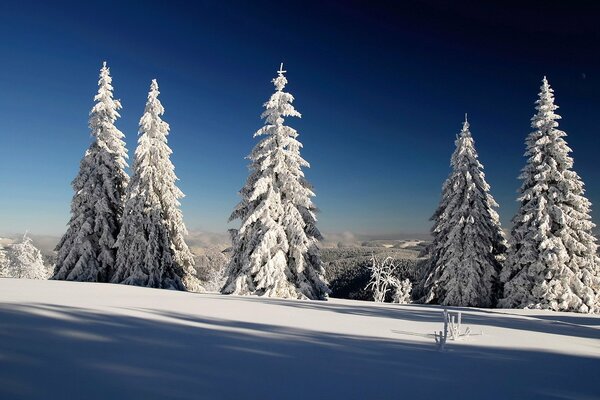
<point x="23" y="260"/>
<point x="151" y="248"/>
<point x="275" y="250"/>
<point x="468" y="243"/>
<point x="86" y="252"/>
<point x="552" y="261"/>
<point x="384" y="280"/>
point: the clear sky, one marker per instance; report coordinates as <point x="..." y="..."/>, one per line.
<point x="382" y="86"/>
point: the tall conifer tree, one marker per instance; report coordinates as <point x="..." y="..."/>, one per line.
<point x="275" y="251"/>
<point x="552" y="261"/>
<point x="86" y="252"/>
<point x="468" y="243"/>
<point x="151" y="247"/>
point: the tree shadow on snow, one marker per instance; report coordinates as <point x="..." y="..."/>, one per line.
<point x="51" y="352"/>
<point x="555" y="323"/>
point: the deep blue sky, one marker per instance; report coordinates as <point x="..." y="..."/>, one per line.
<point x="382" y="87"/>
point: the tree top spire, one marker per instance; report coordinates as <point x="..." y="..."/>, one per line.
<point x="281" y="80"/>
<point x="281" y="71"/>
<point x="545" y="83"/>
<point x="466" y="125"/>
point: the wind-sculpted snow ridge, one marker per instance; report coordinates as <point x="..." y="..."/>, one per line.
<point x="127" y="342"/>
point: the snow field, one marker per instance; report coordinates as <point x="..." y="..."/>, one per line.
<point x="96" y="341"/>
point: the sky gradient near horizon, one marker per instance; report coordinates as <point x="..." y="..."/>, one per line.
<point x="383" y="88"/>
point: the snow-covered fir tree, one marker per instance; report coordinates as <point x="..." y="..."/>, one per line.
<point x="552" y="262"/>
<point x="468" y="243"/>
<point x="25" y="260"/>
<point x="275" y="250"/>
<point x="152" y="250"/>
<point x="87" y="250"/>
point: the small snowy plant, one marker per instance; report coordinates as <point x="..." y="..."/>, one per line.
<point x="384" y="281"/>
<point x="86" y="252"/>
<point x="211" y="263"/>
<point x="452" y="329"/>
<point x="552" y="261"/>
<point x="152" y="250"/>
<point x="468" y="243"/>
<point x="402" y="292"/>
<point x="275" y="250"/>
<point x="25" y="261"/>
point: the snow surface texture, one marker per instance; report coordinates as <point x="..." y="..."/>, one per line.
<point x="275" y="250"/>
<point x="87" y="250"/>
<point x="552" y="261"/>
<point x="468" y="243"/>
<point x="63" y="340"/>
<point x="151" y="248"/>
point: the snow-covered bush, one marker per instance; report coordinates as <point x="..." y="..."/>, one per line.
<point x="384" y="281"/>
<point x="24" y="260"/>
<point x="402" y="292"/>
<point x="211" y="263"/>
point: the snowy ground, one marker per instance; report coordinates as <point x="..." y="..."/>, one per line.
<point x="64" y="340"/>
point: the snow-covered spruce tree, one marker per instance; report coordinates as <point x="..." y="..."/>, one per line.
<point x="152" y="250"/>
<point x="25" y="260"/>
<point x="275" y="251"/>
<point x="86" y="252"/>
<point x="552" y="262"/>
<point x="468" y="243"/>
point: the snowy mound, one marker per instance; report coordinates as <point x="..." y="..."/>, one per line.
<point x="64" y="340"/>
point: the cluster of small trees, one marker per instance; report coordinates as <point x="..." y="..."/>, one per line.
<point x="126" y="230"/>
<point x="550" y="260"/>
